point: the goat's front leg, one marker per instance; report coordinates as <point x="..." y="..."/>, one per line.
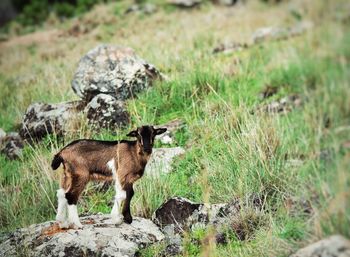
<point x="126" y="208"/>
<point x="120" y="196"/>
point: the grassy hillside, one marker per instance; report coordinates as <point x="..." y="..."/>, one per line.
<point x="291" y="160"/>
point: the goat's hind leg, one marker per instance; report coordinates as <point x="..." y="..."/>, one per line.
<point x="78" y="184"/>
<point x="61" y="216"/>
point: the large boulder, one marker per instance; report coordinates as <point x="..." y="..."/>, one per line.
<point x="98" y="237"/>
<point x="41" y="119"/>
<point x="335" y="246"/>
<point x="104" y="111"/>
<point x="112" y="70"/>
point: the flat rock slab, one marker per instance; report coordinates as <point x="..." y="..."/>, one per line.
<point x="98" y="237"/>
<point x="335" y="246"/>
<point x="161" y="160"/>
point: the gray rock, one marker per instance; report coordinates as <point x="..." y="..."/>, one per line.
<point x="172" y="127"/>
<point x="176" y="211"/>
<point x="146" y="8"/>
<point x="225" y="2"/>
<point x="185" y="3"/>
<point x="41" y="119"/>
<point x="98" y="237"/>
<point x="161" y="160"/>
<point x="179" y="214"/>
<point x="228" y="48"/>
<point x="149" y="8"/>
<point x="173" y="241"/>
<point x="282" y="105"/>
<point x="104" y="111"/>
<point x="269" y="33"/>
<point x="112" y="70"/>
<point x="13" y="146"/>
<point x="184" y="214"/>
<point x="279" y="33"/>
<point x="335" y="246"/>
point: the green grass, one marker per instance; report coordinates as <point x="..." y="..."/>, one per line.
<point x="230" y="152"/>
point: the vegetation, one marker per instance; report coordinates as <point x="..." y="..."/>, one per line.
<point x="232" y="151"/>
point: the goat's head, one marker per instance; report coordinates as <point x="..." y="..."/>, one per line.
<point x="145" y="137"/>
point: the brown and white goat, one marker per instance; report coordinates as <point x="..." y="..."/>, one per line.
<point x="120" y="161"/>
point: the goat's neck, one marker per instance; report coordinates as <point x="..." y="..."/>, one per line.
<point x="142" y="156"/>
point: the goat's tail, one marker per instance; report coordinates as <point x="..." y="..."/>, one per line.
<point x="56" y="162"/>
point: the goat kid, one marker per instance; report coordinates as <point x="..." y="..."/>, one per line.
<point x="120" y="161"/>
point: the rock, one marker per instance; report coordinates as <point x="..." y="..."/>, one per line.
<point x="146" y="8"/>
<point x="335" y="246"/>
<point x="228" y="48"/>
<point x="184" y="214"/>
<point x="300" y="28"/>
<point x="185" y="3"/>
<point x="172" y="250"/>
<point x="98" y="237"/>
<point x="104" y="111"/>
<point x="295" y="205"/>
<point x="173" y="241"/>
<point x="41" y="119"/>
<point x="161" y="160"/>
<point x="112" y="70"/>
<point x="225" y="2"/>
<point x="13" y="146"/>
<point x="149" y="8"/>
<point x="282" y="105"/>
<point x="176" y="211"/>
<point x="172" y="127"/>
<point x="279" y="33"/>
<point x="268" y="91"/>
<point x="269" y="33"/>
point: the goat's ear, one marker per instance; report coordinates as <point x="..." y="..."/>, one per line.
<point x="132" y="134"/>
<point x="159" y="131"/>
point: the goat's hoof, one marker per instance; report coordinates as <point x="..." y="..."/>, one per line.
<point x="117" y="220"/>
<point x="128" y="219"/>
<point x="75" y="225"/>
<point x="63" y="224"/>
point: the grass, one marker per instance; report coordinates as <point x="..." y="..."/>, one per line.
<point x="230" y="152"/>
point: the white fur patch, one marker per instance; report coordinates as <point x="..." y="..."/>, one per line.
<point x="61" y="216"/>
<point x="120" y="195"/>
<point x="73" y="216"/>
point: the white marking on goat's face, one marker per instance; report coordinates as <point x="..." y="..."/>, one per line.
<point x="120" y="194"/>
